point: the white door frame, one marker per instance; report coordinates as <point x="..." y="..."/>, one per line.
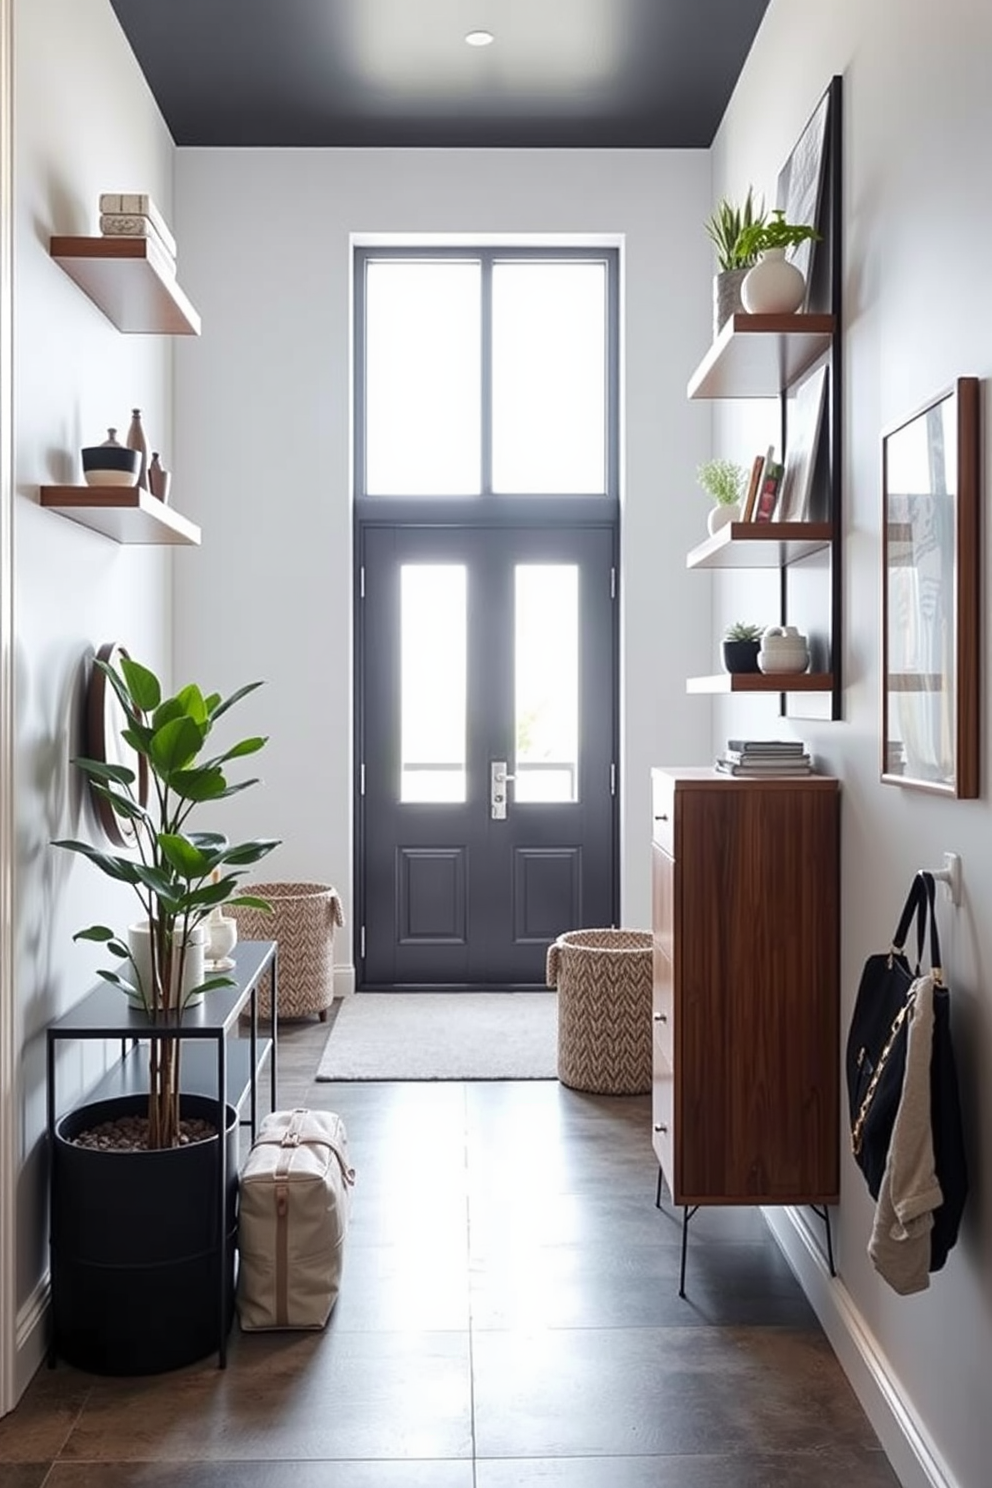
<point x="9" y="1103"/>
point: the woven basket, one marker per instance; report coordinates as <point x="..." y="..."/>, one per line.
<point x="604" y="1009"/>
<point x="303" y="920"/>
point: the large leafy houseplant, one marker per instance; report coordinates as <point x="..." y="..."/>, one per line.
<point x="179" y="875"/>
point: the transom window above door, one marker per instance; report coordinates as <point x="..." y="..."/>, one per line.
<point x="485" y="372"/>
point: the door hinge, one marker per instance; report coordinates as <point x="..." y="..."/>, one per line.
<point x="613" y="780"/>
<point x="361" y="582"/>
<point x="613" y="583"/>
<point x="361" y="779"/>
<point x="361" y="938"/>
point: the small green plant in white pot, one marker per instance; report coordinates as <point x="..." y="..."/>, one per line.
<point x="725" y="482"/>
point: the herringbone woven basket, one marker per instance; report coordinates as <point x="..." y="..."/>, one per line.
<point x="604" y="1009"/>
<point x="303" y="920"/>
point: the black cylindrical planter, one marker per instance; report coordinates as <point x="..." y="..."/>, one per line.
<point x="135" y="1283"/>
<point x="741" y="656"/>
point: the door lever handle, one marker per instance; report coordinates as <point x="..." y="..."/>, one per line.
<point x="498" y="778"/>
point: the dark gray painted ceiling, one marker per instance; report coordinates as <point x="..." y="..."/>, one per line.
<point x="631" y="74"/>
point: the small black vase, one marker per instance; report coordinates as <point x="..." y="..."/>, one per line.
<point x="741" y="656"/>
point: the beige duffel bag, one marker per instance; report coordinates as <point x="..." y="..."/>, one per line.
<point x="292" y="1221"/>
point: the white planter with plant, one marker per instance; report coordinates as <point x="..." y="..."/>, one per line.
<point x="725" y="482"/>
<point x="724" y="229"/>
<point x="774" y="286"/>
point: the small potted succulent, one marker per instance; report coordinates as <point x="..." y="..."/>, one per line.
<point x="724" y="229"/>
<point x="725" y="482"/>
<point x="774" y="286"/>
<point x="741" y="644"/>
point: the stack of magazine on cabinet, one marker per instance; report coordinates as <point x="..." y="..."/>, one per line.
<point x="759" y="757"/>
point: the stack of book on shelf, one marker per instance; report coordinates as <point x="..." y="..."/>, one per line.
<point x="763" y="488"/>
<point x="133" y="214"/>
<point x="759" y="757"/>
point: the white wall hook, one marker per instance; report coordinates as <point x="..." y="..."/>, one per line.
<point x="950" y="875"/>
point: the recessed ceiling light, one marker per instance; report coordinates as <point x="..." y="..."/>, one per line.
<point x="480" y="38"/>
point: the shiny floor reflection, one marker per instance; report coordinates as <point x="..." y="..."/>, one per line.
<point x="509" y="1318"/>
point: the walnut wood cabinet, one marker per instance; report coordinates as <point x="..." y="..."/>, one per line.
<point x="745" y="913"/>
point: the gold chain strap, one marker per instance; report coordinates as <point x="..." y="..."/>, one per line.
<point x="858" y="1129"/>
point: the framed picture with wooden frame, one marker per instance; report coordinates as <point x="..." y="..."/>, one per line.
<point x="931" y="565"/>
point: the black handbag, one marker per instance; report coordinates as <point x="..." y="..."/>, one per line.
<point x="876" y="1064"/>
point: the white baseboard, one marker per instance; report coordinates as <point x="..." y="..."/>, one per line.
<point x="31" y="1335"/>
<point x="914" y="1458"/>
<point x="344" y="981"/>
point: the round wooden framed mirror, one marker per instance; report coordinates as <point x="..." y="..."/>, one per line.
<point x="105" y="722"/>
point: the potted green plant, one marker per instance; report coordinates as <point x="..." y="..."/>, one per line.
<point x="741" y="644"/>
<point x="139" y="1261"/>
<point x="724" y="229"/>
<point x="774" y="285"/>
<point x="725" y="482"/>
<point x="179" y="875"/>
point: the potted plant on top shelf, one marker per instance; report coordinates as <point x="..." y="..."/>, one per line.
<point x="774" y="286"/>
<point x="140" y="1184"/>
<point x="724" y="229"/>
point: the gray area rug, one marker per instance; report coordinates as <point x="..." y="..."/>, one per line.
<point x="443" y="1036"/>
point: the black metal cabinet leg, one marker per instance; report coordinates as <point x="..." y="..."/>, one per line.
<point x="823" y="1213"/>
<point x="687" y="1214"/>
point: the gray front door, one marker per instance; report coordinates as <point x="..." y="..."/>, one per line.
<point x="482" y="648"/>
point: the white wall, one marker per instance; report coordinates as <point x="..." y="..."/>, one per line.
<point x="264" y="431"/>
<point x="84" y="123"/>
<point x="918" y="216"/>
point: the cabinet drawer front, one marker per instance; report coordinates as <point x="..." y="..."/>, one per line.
<point x="663" y="1004"/>
<point x="663" y="807"/>
<point x="663" y="900"/>
<point x="662" y="1114"/>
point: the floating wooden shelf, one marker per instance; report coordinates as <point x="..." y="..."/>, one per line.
<point x="128" y="514"/>
<point x="757" y="356"/>
<point x="759" y="682"/>
<point x="760" y="544"/>
<point x="131" y="281"/>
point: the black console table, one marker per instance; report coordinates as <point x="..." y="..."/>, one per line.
<point x="228" y="1076"/>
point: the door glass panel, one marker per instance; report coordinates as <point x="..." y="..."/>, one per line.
<point x="546" y="669"/>
<point x="549" y="378"/>
<point x="432" y="682"/>
<point x="422" y="378"/>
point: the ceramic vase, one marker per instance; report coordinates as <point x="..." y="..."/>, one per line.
<point x="740" y="656"/>
<point x="774" y="286"/>
<point x="159" y="479"/>
<point x="719" y="516"/>
<point x="139" y="944"/>
<point x="222" y="937"/>
<point x="136" y="441"/>
<point x="783" y="649"/>
<point x="726" y="297"/>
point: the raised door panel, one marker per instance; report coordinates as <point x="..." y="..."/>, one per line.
<point x="756" y="994"/>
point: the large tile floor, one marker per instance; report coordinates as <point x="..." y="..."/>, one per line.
<point x="509" y="1317"/>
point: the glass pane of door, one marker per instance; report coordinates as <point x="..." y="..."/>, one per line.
<point x="549" y="377"/>
<point x="433" y="634"/>
<point x="546" y="670"/>
<point x="423" y="378"/>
